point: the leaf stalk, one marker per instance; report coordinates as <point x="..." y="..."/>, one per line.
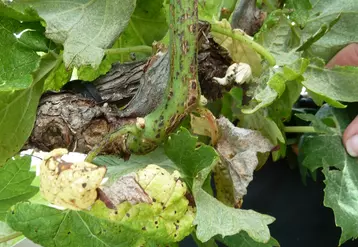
<point x="299" y="129"/>
<point x="247" y="40"/>
<point x="10" y="237"/>
<point x="139" y="48"/>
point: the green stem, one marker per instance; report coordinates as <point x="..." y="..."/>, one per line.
<point x="182" y="93"/>
<point x="247" y="40"/>
<point x="10" y="237"/>
<point x="299" y="129"/>
<point x="140" y="48"/>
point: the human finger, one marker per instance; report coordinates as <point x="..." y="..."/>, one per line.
<point x="350" y="138"/>
<point x="348" y="56"/>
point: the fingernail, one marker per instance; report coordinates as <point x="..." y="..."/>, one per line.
<point x="352" y="146"/>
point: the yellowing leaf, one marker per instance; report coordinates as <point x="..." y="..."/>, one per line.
<point x="70" y="185"/>
<point x="204" y="124"/>
<point x="240" y="52"/>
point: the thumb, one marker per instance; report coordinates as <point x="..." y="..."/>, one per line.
<point x="350" y="138"/>
<point x="348" y="56"/>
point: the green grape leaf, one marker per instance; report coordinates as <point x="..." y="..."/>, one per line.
<point x="276" y="84"/>
<point x="326" y="151"/>
<point x="59" y="74"/>
<point x="232" y="102"/>
<point x="324" y="29"/>
<point x="243" y="240"/>
<point x="85" y="28"/>
<point x="300" y="10"/>
<point x="147" y="24"/>
<point x="19" y="95"/>
<point x="117" y="167"/>
<point x="29" y="14"/>
<point x="337" y="84"/>
<point x="195" y="164"/>
<point x="15" y="182"/>
<point x="15" y="54"/>
<point x="342" y="33"/>
<point x="209" y="10"/>
<point x="52" y="227"/>
<point x="214" y="10"/>
<point x="229" y="221"/>
<point x="8" y="237"/>
<point x="281" y="109"/>
<point x="17" y="119"/>
<point x="280" y="38"/>
<point x="190" y="160"/>
<point x="210" y="243"/>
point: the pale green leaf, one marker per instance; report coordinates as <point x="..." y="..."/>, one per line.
<point x="85" y="28"/>
<point x="276" y="84"/>
<point x="15" y="182"/>
<point x="337" y="84"/>
<point x="300" y="9"/>
<point x="148" y="15"/>
<point x="341" y="170"/>
<point x="323" y="30"/>
<point x="344" y="31"/>
<point x="279" y="37"/>
<point x="228" y="220"/>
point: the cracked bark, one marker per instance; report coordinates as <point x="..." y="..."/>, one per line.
<point x="70" y="120"/>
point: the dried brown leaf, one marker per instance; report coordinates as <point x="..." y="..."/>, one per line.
<point x="238" y="148"/>
<point x="126" y="188"/>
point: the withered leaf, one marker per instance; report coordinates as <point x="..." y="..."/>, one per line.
<point x="126" y="188"/>
<point x="238" y="148"/>
<point x="204" y="124"/>
<point x="70" y="185"/>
